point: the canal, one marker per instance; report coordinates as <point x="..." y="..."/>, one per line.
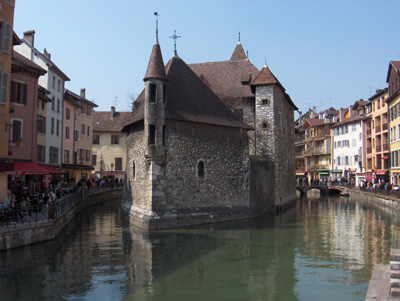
<point x="321" y="249"/>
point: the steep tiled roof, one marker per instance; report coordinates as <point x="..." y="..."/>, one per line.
<point x="313" y="122"/>
<point x="156" y="69"/>
<point x="228" y="79"/>
<point x="396" y="66"/>
<point x="265" y="77"/>
<point x="19" y="61"/>
<point x="190" y="99"/>
<point x="238" y="54"/>
<point x="73" y="97"/>
<point x="348" y="121"/>
<point x="378" y="93"/>
<point x="104" y="123"/>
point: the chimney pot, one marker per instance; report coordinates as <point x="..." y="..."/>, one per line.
<point x="83" y="92"/>
<point x="29" y="36"/>
<point x="46" y="54"/>
<point x="112" y="112"/>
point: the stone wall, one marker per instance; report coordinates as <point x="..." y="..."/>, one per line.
<point x="23" y="235"/>
<point x="169" y="191"/>
<point x="285" y="177"/>
<point x="262" y="189"/>
<point x="275" y="139"/>
<point x="136" y="199"/>
<point x="224" y="152"/>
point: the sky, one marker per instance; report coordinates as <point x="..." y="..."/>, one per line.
<point x="325" y="53"/>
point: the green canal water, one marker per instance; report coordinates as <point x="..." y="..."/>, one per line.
<point x="320" y="249"/>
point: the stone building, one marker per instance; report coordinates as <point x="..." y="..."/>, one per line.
<point x="206" y="146"/>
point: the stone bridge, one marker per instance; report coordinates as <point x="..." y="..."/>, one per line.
<point x="324" y="190"/>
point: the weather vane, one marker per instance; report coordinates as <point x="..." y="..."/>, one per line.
<point x="156" y="14"/>
<point x="175" y="37"/>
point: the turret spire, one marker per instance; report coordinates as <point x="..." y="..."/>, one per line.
<point x="156" y="14"/>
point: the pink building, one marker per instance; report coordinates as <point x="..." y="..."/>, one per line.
<point x="23" y="108"/>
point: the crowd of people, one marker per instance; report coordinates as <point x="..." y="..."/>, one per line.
<point x="25" y="199"/>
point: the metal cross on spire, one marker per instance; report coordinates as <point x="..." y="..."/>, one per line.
<point x="156" y="14"/>
<point x="239" y="36"/>
<point x="175" y="37"/>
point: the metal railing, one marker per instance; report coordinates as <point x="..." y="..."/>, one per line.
<point x="33" y="214"/>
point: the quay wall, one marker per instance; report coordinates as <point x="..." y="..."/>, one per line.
<point x="27" y="234"/>
<point x="390" y="201"/>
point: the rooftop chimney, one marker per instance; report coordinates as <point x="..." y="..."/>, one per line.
<point x="112" y="112"/>
<point x="46" y="54"/>
<point x="29" y="36"/>
<point x="83" y="90"/>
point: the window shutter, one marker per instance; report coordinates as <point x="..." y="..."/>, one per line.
<point x="16" y="131"/>
<point x="12" y="91"/>
<point x="7" y="37"/>
<point x="25" y="93"/>
<point x="4" y="87"/>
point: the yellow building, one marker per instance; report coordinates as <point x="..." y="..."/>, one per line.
<point x="6" y="39"/>
<point x="393" y="102"/>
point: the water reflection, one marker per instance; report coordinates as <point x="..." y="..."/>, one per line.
<point x="323" y="248"/>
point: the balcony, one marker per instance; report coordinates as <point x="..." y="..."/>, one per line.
<point x="378" y="148"/>
<point x="316" y="151"/>
<point x="378" y="129"/>
<point x="320" y="134"/>
<point x="385" y="147"/>
<point x="368" y="132"/>
<point x="384" y="127"/>
<point x="369" y="150"/>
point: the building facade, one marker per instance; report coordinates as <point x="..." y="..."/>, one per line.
<point x="6" y="40"/>
<point x="53" y="81"/>
<point x="347" y="148"/>
<point x="376" y="136"/>
<point x="109" y="143"/>
<point x="78" y="136"/>
<point x="317" y="152"/>
<point x="393" y="102"/>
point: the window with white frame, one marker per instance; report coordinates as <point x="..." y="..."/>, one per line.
<point x="354" y="142"/>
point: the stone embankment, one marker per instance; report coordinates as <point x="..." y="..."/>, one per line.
<point x="385" y="280"/>
<point x="388" y="200"/>
<point x="30" y="233"/>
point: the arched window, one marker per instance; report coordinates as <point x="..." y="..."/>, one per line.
<point x="200" y="169"/>
<point x="133" y="170"/>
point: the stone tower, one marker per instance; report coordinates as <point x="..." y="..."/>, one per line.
<point x="155" y="125"/>
<point x="274" y="132"/>
<point x="155" y="105"/>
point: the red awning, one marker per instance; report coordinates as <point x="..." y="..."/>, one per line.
<point x="385" y="157"/>
<point x="6" y="166"/>
<point x="52" y="169"/>
<point x="381" y="172"/>
<point x="28" y="168"/>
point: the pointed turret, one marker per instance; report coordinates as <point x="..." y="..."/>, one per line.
<point x="156" y="68"/>
<point x="265" y="77"/>
<point x="238" y="54"/>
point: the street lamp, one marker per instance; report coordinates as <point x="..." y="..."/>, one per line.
<point x="112" y="166"/>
